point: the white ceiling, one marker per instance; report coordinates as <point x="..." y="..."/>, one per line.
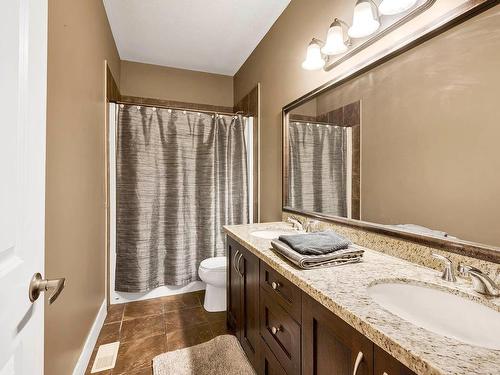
<point x="215" y="36"/>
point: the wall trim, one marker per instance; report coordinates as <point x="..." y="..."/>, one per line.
<point x="88" y="347"/>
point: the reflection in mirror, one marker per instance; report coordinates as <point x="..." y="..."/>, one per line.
<point x="324" y="160"/>
<point x="411" y="144"/>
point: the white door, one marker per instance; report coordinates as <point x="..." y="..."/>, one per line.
<point x="23" y="72"/>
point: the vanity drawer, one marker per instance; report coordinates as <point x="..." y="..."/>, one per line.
<point x="287" y="295"/>
<point x="268" y="364"/>
<point x="281" y="332"/>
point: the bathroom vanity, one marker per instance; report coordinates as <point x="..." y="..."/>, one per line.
<point x="324" y="321"/>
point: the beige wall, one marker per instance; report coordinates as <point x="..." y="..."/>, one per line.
<point x="430" y="131"/>
<point x="276" y="64"/>
<point x="79" y="41"/>
<point x="159" y="82"/>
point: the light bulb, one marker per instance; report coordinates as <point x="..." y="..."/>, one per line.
<point x="314" y="60"/>
<point x="335" y="41"/>
<point x="392" y="7"/>
<point x="364" y="21"/>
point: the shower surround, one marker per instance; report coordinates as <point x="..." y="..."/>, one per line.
<point x="180" y="176"/>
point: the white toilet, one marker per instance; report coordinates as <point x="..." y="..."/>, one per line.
<point x="213" y="272"/>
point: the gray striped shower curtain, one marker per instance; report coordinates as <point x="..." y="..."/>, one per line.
<point x="318" y="168"/>
<point x="181" y="176"/>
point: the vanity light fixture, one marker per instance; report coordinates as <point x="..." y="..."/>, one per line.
<point x="314" y="60"/>
<point x="365" y="20"/>
<point x="336" y="42"/>
<point x="392" y="7"/>
<point x="368" y="19"/>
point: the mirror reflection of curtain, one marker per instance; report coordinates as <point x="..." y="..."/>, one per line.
<point x="318" y="168"/>
<point x="181" y="176"/>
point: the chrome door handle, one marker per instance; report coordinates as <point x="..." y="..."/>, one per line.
<point x="275" y="285"/>
<point x="39" y="285"/>
<point x="359" y="359"/>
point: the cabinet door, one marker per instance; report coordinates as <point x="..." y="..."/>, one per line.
<point x="330" y="345"/>
<point x="248" y="265"/>
<point x="385" y="364"/>
<point x="233" y="288"/>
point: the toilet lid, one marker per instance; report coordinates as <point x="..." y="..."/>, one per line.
<point x="214" y="264"/>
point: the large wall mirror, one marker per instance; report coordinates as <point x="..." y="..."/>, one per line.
<point x="410" y="145"/>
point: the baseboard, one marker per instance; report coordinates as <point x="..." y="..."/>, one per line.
<point x="83" y="361"/>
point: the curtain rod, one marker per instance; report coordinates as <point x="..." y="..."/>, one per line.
<point x="318" y="123"/>
<point x="179" y="108"/>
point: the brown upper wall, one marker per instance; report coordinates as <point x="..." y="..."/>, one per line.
<point x="160" y="82"/>
<point x="429" y="133"/>
<point x="276" y="64"/>
<point x="79" y="41"/>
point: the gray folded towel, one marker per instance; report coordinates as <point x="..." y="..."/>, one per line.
<point x="315" y="243"/>
<point x="344" y="256"/>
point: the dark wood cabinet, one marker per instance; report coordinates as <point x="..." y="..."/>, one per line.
<point x="330" y="345"/>
<point x="385" y="364"/>
<point x="243" y="298"/>
<point x="284" y="331"/>
<point x="286" y="294"/>
<point x="268" y="364"/>
<point x="281" y="333"/>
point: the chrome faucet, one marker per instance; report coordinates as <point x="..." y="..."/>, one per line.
<point x="296" y="224"/>
<point x="307" y="226"/>
<point x="448" y="272"/>
<point x="481" y="283"/>
<point x="311" y="226"/>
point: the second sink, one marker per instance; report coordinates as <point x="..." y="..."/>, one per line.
<point x="441" y="312"/>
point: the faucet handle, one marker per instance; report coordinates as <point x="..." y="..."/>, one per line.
<point x="295" y="223"/>
<point x="448" y="272"/>
<point x="311" y="225"/>
<point x="481" y="282"/>
<point x="464" y="269"/>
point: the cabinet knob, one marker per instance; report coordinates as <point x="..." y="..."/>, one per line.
<point x="275" y="285"/>
<point x="275" y="330"/>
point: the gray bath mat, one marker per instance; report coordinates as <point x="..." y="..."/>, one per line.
<point x="220" y="356"/>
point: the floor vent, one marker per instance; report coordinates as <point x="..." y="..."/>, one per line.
<point x="106" y="357"/>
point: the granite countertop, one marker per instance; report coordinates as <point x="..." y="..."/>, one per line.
<point x="343" y="290"/>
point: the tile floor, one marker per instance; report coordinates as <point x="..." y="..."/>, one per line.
<point x="148" y="328"/>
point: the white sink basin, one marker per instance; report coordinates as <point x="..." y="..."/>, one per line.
<point x="440" y="312"/>
<point x="271" y="234"/>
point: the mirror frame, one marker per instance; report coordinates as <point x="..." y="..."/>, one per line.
<point x="466" y="11"/>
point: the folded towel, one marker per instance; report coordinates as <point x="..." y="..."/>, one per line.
<point x="315" y="243"/>
<point x="344" y="256"/>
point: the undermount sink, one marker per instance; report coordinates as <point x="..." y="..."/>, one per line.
<point x="440" y="312"/>
<point x="272" y="234"/>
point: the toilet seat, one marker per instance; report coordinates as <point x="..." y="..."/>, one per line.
<point x="217" y="264"/>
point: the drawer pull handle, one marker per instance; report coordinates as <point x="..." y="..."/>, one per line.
<point x="238" y="265"/>
<point x="359" y="359"/>
<point x="275" y="330"/>
<point x="275" y="285"/>
<point x="234" y="260"/>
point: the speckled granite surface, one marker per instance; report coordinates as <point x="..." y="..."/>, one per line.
<point x="407" y="250"/>
<point x="343" y="290"/>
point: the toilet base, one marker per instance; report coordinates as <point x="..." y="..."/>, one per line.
<point x="215" y="299"/>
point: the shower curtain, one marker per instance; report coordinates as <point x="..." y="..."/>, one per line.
<point x="318" y="168"/>
<point x="181" y="176"/>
